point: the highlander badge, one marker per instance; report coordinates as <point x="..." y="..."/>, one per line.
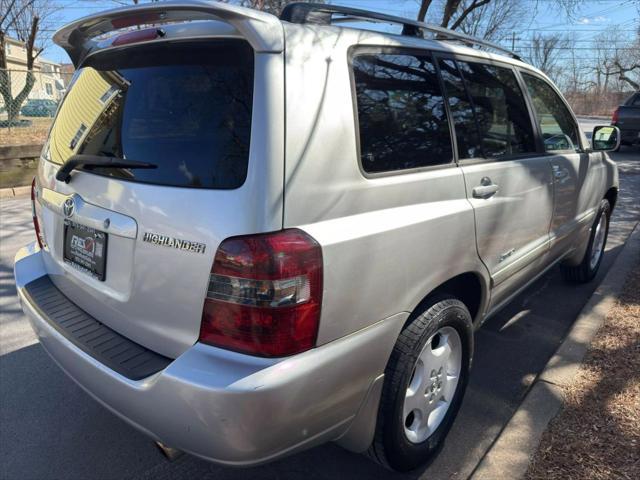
<point x="166" y="241"/>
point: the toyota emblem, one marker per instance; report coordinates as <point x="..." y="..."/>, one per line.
<point x="69" y="207"/>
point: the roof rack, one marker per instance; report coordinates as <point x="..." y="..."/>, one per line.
<point x="322" y="14"/>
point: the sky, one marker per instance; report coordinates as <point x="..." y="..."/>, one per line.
<point x="593" y="17"/>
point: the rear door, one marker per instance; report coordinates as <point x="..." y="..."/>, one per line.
<point x="134" y="247"/>
<point x="508" y="182"/>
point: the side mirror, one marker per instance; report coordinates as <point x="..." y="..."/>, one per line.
<point x="605" y="138"/>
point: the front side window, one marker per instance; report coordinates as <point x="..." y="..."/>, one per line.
<point x="559" y="131"/>
<point x="502" y="118"/>
<point x="401" y="113"/>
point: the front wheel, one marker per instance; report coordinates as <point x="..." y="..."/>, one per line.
<point x="588" y="267"/>
<point x="425" y="381"/>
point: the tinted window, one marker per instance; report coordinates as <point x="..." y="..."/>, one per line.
<point x="185" y="108"/>
<point x="559" y="131"/>
<point x="501" y="113"/>
<point x="461" y="111"/>
<point x="401" y="113"/>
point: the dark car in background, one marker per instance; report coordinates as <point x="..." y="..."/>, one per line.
<point x="627" y="118"/>
<point x="39" y="108"/>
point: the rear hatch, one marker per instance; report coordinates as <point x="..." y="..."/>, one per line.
<point x="134" y="246"/>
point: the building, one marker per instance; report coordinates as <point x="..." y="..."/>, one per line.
<point x="49" y="82"/>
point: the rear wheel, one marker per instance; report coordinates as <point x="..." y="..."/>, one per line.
<point x="588" y="267"/>
<point x="425" y="381"/>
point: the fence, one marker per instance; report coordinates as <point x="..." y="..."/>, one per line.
<point x="28" y="102"/>
<point x="596" y="103"/>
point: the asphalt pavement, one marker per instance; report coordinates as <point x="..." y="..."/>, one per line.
<point x="50" y="428"/>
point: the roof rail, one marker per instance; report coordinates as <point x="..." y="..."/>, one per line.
<point x="322" y="14"/>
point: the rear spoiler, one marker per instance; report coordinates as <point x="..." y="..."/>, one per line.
<point x="262" y="30"/>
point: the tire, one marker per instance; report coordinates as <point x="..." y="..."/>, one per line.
<point x="588" y="267"/>
<point x="402" y="441"/>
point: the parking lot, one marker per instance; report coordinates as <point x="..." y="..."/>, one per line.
<point x="50" y="428"/>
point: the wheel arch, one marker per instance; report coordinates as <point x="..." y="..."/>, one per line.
<point x="612" y="197"/>
<point x="470" y="287"/>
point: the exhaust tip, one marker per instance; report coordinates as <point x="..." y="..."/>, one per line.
<point x="170" y="453"/>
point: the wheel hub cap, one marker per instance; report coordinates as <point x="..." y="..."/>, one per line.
<point x="598" y="242"/>
<point x="432" y="385"/>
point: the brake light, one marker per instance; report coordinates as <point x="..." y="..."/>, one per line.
<point x="265" y="294"/>
<point x="614" y="117"/>
<point x="138" y="36"/>
<point x="36" y="223"/>
<point x="137" y="19"/>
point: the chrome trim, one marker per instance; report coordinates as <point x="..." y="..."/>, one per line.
<point x="90" y="215"/>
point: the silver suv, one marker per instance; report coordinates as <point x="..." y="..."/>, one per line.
<point x="259" y="234"/>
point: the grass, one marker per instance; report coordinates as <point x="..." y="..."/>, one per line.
<point x="35" y="133"/>
<point x="597" y="435"/>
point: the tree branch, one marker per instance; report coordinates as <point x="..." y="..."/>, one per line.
<point x="424" y="7"/>
<point x="31" y="41"/>
<point x="449" y="9"/>
<point x="476" y="4"/>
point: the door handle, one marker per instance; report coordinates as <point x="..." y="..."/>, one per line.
<point x="559" y="172"/>
<point x="486" y="189"/>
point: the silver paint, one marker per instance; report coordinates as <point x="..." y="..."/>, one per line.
<point x="387" y="242"/>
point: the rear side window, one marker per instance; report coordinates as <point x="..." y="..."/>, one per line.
<point x="559" y="131"/>
<point x="401" y="113"/>
<point x="461" y="111"/>
<point x="185" y="108"/>
<point x="502" y="118"/>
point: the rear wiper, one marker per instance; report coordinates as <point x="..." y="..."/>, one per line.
<point x="75" y="161"/>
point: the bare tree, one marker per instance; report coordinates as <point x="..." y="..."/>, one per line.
<point x="485" y="17"/>
<point x="495" y="20"/>
<point x="22" y="20"/>
<point x="625" y="63"/>
<point x="627" y="73"/>
<point x="270" y="6"/>
<point x="616" y="60"/>
<point x="546" y="51"/>
<point x="452" y="13"/>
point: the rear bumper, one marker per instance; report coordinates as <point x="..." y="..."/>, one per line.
<point x="223" y="406"/>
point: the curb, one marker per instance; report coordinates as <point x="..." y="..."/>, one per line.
<point x="510" y="454"/>
<point x="15" y="192"/>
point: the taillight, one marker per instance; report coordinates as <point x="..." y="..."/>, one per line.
<point x="265" y="294"/>
<point x="614" y="117"/>
<point x="36" y="223"/>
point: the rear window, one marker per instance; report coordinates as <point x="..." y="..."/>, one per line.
<point x="185" y="108"/>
